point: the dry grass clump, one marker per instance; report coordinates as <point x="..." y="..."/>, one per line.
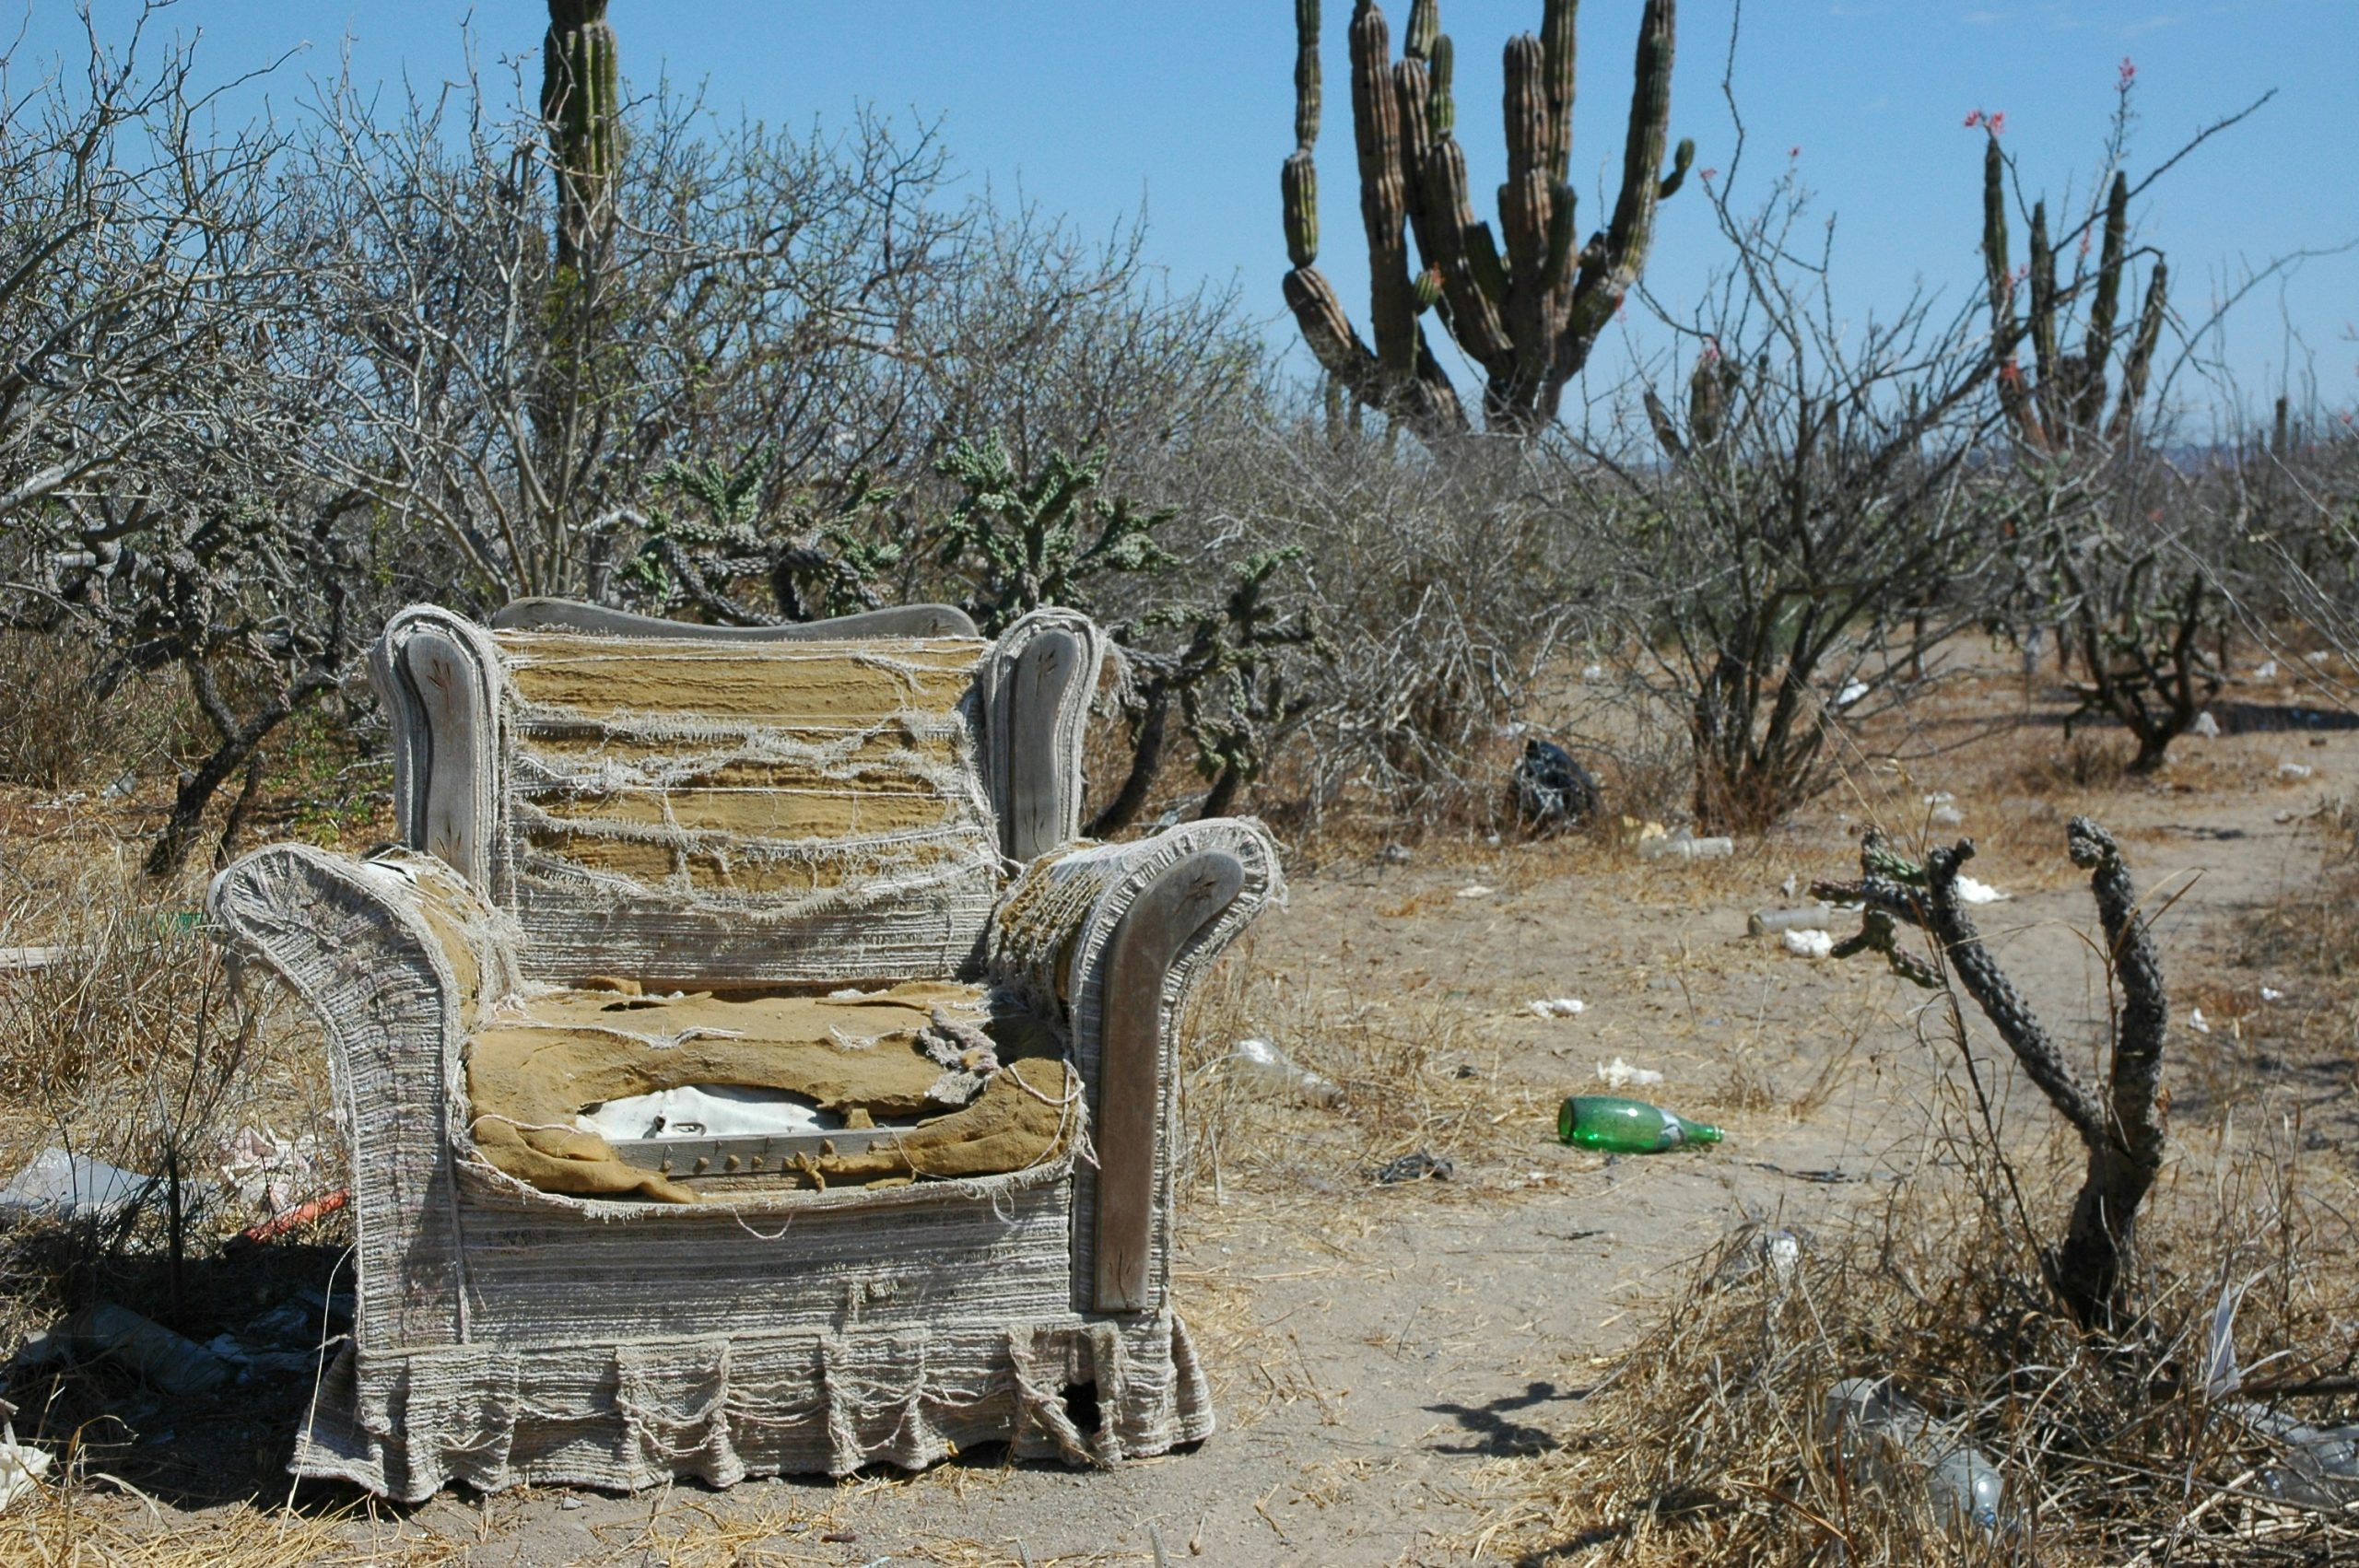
<point x="1711" y="1442"/>
<point x="135" y="1045"/>
<point x="56" y="733"/>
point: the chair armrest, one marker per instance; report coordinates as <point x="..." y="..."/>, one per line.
<point x="1109" y="937"/>
<point x="395" y="955"/>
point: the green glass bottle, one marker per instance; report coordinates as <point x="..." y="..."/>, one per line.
<point x="1627" y="1127"/>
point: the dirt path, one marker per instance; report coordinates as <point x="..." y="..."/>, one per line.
<point x="1382" y="1353"/>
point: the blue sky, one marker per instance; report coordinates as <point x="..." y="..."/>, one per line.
<point x="1093" y="106"/>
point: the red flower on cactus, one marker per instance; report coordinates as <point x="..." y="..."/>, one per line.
<point x="1711" y="350"/>
<point x="2011" y="374"/>
<point x="1973" y="119"/>
<point x="2128" y="72"/>
<point x="1997" y="123"/>
<point x="1710" y="175"/>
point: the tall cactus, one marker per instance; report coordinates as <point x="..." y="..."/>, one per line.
<point x="578" y="106"/>
<point x="2059" y="405"/>
<point x="1528" y="316"/>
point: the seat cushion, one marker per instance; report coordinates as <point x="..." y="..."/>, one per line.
<point x="982" y="1090"/>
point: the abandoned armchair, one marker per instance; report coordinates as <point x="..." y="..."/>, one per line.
<point x="745" y="1067"/>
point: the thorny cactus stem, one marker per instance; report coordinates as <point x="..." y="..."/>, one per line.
<point x="2122" y="1130"/>
<point x="1530" y="317"/>
<point x="579" y="108"/>
<point x="2059" y="405"/>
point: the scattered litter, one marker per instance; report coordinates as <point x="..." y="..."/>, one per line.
<point x="1592" y="673"/>
<point x="1492" y="839"/>
<point x="2271" y="993"/>
<point x="1620" y="1074"/>
<point x="122" y="788"/>
<point x="2267" y="672"/>
<point x="235" y="1352"/>
<point x="1947" y="816"/>
<point x="1871" y="1427"/>
<point x="20" y="1468"/>
<point x="1972" y="891"/>
<point x="1684" y="846"/>
<point x="1550" y="790"/>
<point x="267" y="1171"/>
<point x="2197" y="1021"/>
<point x="569" y="1503"/>
<point x="1476" y="890"/>
<point x="2205" y="726"/>
<point x="2292" y="771"/>
<point x="171" y="1363"/>
<point x="1558" y="1007"/>
<point x="64" y="1184"/>
<point x="1618" y="1126"/>
<point x="1259" y="1063"/>
<point x="1939" y="798"/>
<point x="1418" y="1166"/>
<point x="1808" y="944"/>
<point x="1809" y="918"/>
<point x="2324" y="1461"/>
<point x="2317" y="656"/>
<point x="1852" y="692"/>
<point x="1396" y="854"/>
<point x="296" y="1218"/>
<point x="1787" y="887"/>
<point x="1776" y="1253"/>
<point x="23" y="960"/>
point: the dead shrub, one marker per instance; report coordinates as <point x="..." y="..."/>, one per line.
<point x="1710" y="1442"/>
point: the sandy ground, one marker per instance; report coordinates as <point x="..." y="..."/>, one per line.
<point x="1381" y="1354"/>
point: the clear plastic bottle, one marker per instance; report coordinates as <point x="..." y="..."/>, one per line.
<point x="1621" y="1126"/>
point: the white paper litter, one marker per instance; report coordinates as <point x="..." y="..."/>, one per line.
<point x="2271" y="993"/>
<point x="2267" y="672"/>
<point x="1852" y="692"/>
<point x="1557" y="1007"/>
<point x="1947" y="816"/>
<point x="1808" y="945"/>
<point x="20" y="1468"/>
<point x="2317" y="656"/>
<point x="2205" y="726"/>
<point x="1972" y="891"/>
<point x="1620" y="1074"/>
<point x="1475" y="890"/>
<point x="269" y="1173"/>
<point x="2197" y="1021"/>
<point x="707" y="1110"/>
<point x="2292" y="771"/>
<point x="1592" y="673"/>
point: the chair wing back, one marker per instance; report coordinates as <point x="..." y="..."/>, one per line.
<point x="666" y="806"/>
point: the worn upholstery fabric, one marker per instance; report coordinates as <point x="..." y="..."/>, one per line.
<point x="686" y="811"/>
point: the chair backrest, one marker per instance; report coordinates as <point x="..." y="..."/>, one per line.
<point x="676" y="804"/>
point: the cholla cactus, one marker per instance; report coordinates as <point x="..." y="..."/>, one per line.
<point x="1530" y="315"/>
<point x="2120" y="1125"/>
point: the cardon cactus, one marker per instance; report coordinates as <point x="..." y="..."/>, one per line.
<point x="579" y="108"/>
<point x="2058" y="406"/>
<point x="1529" y="315"/>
